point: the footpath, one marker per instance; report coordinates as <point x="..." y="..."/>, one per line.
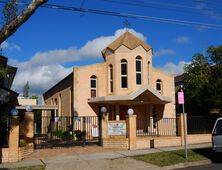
<point x="118" y="160"/>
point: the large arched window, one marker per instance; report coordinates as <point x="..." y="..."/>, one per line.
<point x="93" y="85"/>
<point x="159" y="85"/>
<point x="138" y="70"/>
<point x="124" y="83"/>
<point x="110" y="78"/>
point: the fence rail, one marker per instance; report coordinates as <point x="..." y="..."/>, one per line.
<point x="200" y="124"/>
<point x="162" y="127"/>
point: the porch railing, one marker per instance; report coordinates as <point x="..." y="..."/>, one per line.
<point x="151" y="127"/>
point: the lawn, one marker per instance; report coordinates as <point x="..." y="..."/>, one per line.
<point x="173" y="157"/>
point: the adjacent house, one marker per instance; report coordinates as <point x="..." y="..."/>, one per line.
<point x="126" y="79"/>
<point x="8" y="97"/>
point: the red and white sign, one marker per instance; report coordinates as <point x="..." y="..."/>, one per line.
<point x="180" y="97"/>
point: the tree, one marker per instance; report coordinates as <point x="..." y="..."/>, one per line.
<point x="203" y="82"/>
<point x="26" y="90"/>
<point x="15" y="22"/>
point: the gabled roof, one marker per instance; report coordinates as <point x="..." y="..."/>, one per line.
<point x="127" y="39"/>
<point x="146" y="90"/>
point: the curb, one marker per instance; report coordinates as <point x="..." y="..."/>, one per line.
<point x="188" y="164"/>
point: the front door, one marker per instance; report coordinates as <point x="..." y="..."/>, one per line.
<point x="123" y="112"/>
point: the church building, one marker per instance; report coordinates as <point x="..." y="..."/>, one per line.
<point x="126" y="79"/>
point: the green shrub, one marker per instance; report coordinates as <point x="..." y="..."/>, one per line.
<point x="80" y="135"/>
<point x="67" y="136"/>
<point x="58" y="133"/>
<point x="22" y="143"/>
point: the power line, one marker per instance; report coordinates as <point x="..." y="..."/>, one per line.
<point x="165" y="6"/>
<point x="129" y="15"/>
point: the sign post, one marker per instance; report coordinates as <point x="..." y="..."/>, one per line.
<point x="181" y="101"/>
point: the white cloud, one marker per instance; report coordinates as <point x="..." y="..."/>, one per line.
<point x="164" y="52"/>
<point x="44" y="69"/>
<point x="182" y="40"/>
<point x="10" y="46"/>
<point x="176" y="69"/>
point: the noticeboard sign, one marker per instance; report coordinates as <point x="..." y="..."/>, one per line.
<point x="116" y="128"/>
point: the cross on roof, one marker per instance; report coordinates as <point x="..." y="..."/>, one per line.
<point x="126" y="24"/>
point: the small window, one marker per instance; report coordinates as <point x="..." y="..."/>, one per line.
<point x="138" y="70"/>
<point x="93" y="85"/>
<point x="159" y="86"/>
<point x="124" y="83"/>
<point x="110" y="78"/>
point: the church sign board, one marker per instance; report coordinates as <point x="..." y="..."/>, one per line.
<point x="116" y="128"/>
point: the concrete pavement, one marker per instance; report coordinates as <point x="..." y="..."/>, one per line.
<point x="103" y="160"/>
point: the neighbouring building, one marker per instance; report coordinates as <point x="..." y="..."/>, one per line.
<point x="8" y="97"/>
<point x="126" y="79"/>
<point x="27" y="101"/>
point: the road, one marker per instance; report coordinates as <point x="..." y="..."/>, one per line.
<point x="205" y="167"/>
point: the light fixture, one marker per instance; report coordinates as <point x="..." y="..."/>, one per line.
<point x="28" y="108"/>
<point x="103" y="109"/>
<point x="14" y="112"/>
<point x="130" y="111"/>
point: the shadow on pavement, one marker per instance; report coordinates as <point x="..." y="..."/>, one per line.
<point x="210" y="154"/>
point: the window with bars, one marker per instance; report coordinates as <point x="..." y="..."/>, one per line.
<point x="159" y="86"/>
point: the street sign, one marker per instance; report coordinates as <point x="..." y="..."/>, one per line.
<point x="180" y="97"/>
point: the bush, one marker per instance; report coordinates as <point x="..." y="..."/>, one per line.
<point x="22" y="143"/>
<point x="63" y="135"/>
<point x="80" y="135"/>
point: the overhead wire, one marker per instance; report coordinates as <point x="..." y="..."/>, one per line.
<point x="129" y="15"/>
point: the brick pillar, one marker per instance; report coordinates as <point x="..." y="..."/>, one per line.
<point x="181" y="126"/>
<point x="131" y="131"/>
<point x="29" y="127"/>
<point x="13" y="155"/>
<point x="104" y="128"/>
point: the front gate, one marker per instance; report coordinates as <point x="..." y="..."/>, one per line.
<point x="65" y="131"/>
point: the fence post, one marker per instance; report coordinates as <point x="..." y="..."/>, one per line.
<point x="181" y="127"/>
<point x="131" y="131"/>
<point x="13" y="155"/>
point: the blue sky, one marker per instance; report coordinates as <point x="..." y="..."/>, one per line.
<point x="52" y="41"/>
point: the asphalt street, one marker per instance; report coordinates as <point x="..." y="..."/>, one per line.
<point x="206" y="167"/>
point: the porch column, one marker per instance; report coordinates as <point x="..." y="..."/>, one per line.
<point x="117" y="112"/>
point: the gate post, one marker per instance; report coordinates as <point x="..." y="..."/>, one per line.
<point x="131" y="131"/>
<point x="13" y="155"/>
<point x="104" y="128"/>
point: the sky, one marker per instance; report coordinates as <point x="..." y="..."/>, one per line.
<point x="47" y="47"/>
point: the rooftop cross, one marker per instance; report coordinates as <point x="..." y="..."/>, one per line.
<point x="126" y="24"/>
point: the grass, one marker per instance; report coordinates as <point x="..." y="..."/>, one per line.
<point x="40" y="167"/>
<point x="171" y="157"/>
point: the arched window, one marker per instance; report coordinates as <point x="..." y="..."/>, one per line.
<point x="110" y="78"/>
<point x="124" y="80"/>
<point x="138" y="70"/>
<point x="159" y="86"/>
<point x="93" y="85"/>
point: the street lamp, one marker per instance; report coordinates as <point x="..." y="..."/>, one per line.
<point x="103" y="109"/>
<point x="28" y="108"/>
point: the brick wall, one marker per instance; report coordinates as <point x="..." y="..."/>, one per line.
<point x="116" y="143"/>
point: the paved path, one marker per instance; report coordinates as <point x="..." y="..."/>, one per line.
<point x="103" y="160"/>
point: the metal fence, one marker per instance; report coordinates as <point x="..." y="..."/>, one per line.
<point x="200" y="124"/>
<point x="66" y="131"/>
<point x="162" y="127"/>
